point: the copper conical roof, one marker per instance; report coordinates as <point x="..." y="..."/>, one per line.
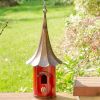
<point x="44" y="55"/>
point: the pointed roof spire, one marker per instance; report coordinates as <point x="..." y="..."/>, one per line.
<point x="44" y="55"/>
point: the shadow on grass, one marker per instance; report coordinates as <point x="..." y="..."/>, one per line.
<point x="34" y="6"/>
<point x="21" y="8"/>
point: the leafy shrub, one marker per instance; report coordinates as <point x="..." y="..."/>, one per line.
<point x="81" y="45"/>
<point x="66" y="74"/>
<point x="7" y="3"/>
<point x="82" y="50"/>
<point x="91" y="7"/>
<point x="62" y="2"/>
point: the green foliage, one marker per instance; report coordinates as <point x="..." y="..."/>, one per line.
<point x="66" y="74"/>
<point x="91" y="7"/>
<point x="62" y="2"/>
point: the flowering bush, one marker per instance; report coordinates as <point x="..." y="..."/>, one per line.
<point x="82" y="50"/>
<point x="83" y="39"/>
<point x="81" y="45"/>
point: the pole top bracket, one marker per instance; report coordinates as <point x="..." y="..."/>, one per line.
<point x="44" y="6"/>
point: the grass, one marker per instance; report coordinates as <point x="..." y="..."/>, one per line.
<point x="20" y="40"/>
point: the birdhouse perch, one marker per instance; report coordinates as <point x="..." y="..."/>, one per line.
<point x="44" y="65"/>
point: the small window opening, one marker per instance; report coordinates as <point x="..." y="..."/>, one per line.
<point x="43" y="79"/>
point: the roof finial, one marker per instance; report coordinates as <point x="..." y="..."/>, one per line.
<point x="44" y="6"/>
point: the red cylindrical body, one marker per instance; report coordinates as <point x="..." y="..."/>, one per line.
<point x="44" y="81"/>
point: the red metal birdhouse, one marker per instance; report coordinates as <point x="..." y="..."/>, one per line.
<point x="44" y="65"/>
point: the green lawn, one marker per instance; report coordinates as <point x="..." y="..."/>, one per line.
<point x="20" y="40"/>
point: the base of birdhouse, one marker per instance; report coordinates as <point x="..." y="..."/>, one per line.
<point x="88" y="98"/>
<point x="45" y="97"/>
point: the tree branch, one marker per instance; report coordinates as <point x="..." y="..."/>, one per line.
<point x="4" y="28"/>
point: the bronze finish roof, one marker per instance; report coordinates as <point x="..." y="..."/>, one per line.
<point x="44" y="55"/>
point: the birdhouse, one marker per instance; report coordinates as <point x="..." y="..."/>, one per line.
<point x="44" y="65"/>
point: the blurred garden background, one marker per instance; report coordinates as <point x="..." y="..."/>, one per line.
<point x="74" y="30"/>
